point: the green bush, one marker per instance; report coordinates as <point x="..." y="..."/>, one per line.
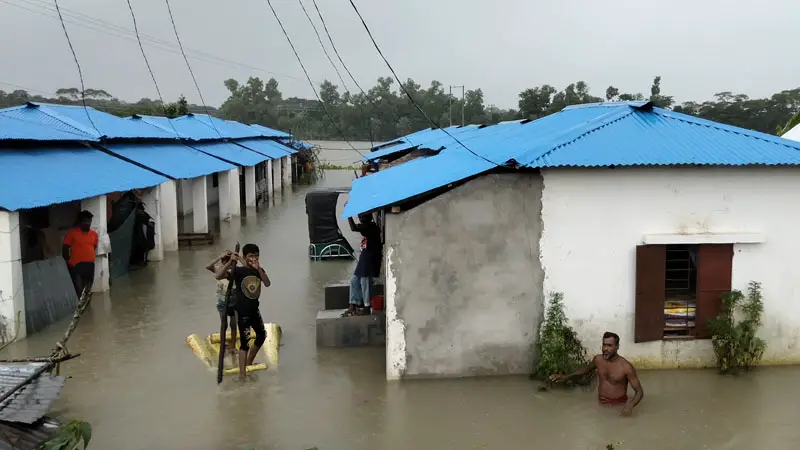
<point x="72" y="435"/>
<point x="558" y="348"/>
<point x="736" y="346"/>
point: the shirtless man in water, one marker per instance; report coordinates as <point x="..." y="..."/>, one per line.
<point x="615" y="373"/>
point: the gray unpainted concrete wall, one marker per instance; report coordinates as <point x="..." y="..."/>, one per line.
<point x="49" y="293"/>
<point x="466" y="280"/>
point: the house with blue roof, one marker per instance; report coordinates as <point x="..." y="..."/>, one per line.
<point x="60" y="159"/>
<point x="641" y="217"/>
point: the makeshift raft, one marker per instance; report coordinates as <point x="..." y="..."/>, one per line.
<point x="208" y="349"/>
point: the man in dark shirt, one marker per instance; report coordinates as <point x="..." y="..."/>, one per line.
<point x="368" y="267"/>
<point x="248" y="279"/>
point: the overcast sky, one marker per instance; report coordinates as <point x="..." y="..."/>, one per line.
<point x="699" y="47"/>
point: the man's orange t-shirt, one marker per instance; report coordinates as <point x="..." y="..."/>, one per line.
<point x="82" y="245"/>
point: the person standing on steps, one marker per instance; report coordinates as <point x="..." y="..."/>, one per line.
<point x="368" y="267"/>
<point x="615" y="373"/>
<point x="79" y="251"/>
<point x="248" y="279"/>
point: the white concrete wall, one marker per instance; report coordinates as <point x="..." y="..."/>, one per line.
<point x="184" y="194"/>
<point x="286" y="171"/>
<point x="12" y="294"/>
<point x="151" y="198"/>
<point x="98" y="206"/>
<point x="594" y="219"/>
<point x="229" y="195"/>
<point x="168" y="212"/>
<point x="212" y="193"/>
<point x="270" y="185"/>
<point x="276" y="176"/>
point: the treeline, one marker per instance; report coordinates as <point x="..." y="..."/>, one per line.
<point x="383" y="112"/>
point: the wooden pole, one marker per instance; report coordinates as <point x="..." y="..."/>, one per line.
<point x="223" y="328"/>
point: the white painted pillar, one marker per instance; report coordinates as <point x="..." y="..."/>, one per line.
<point x="200" y="204"/>
<point x="236" y="193"/>
<point x="286" y="169"/>
<point x="12" y="294"/>
<point x="152" y="201"/>
<point x="168" y="213"/>
<point x="270" y="187"/>
<point x="185" y="194"/>
<point x="250" y="187"/>
<point x="224" y="194"/>
<point x="276" y="176"/>
<point x="98" y="206"/>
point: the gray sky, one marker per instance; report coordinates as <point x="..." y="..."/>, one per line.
<point x="699" y="47"/>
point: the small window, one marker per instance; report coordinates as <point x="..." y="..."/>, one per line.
<point x="679" y="288"/>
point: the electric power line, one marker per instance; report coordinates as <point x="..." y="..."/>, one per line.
<point x="191" y="72"/>
<point x="405" y="91"/>
<point x="327" y="55"/>
<point x="311" y="83"/>
<point x="110" y="29"/>
<point x="149" y="69"/>
<point x="78" y="65"/>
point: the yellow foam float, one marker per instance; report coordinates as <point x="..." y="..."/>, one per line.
<point x="208" y="349"/>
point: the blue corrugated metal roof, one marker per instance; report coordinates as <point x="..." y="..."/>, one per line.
<point x="174" y="160"/>
<point x="46" y="176"/>
<point x="77" y="117"/>
<point x="201" y="126"/>
<point x="595" y="135"/>
<point x="266" y="147"/>
<point x="15" y="128"/>
<point x="430" y="139"/>
<point x="231" y="152"/>
<point x="269" y="132"/>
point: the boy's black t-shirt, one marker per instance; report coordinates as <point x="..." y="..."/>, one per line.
<point x="248" y="289"/>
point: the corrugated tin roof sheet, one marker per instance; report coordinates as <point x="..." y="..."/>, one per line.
<point x="17" y="128"/>
<point x="230" y="152"/>
<point x="31" y="402"/>
<point x="174" y="160"/>
<point x="20" y="436"/>
<point x="431" y="139"/>
<point x="266" y="147"/>
<point x="201" y="126"/>
<point x="269" y="132"/>
<point x="46" y="176"/>
<point x="77" y="117"/>
<point x="596" y="135"/>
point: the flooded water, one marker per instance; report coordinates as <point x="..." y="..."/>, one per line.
<point x="141" y="387"/>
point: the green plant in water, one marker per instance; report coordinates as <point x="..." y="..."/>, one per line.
<point x="558" y="347"/>
<point x="72" y="435"/>
<point x="736" y="346"/>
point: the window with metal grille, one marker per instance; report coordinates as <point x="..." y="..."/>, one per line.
<point x="679" y="288"/>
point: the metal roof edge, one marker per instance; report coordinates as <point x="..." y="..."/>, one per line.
<point x="637" y="104"/>
<point x="48" y="109"/>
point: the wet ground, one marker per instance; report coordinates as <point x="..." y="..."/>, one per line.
<point x="141" y="387"/>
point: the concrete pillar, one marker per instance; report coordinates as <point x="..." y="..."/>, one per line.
<point x="236" y="193"/>
<point x="270" y="187"/>
<point x="224" y="195"/>
<point x="184" y="192"/>
<point x="12" y="294"/>
<point x="98" y="206"/>
<point x="199" y="205"/>
<point x="168" y="213"/>
<point x="286" y="169"/>
<point x="276" y="176"/>
<point x="250" y="187"/>
<point x="152" y="201"/>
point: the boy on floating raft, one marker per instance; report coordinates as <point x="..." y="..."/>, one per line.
<point x="248" y="279"/>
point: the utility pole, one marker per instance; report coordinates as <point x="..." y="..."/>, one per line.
<point x="463" y="104"/>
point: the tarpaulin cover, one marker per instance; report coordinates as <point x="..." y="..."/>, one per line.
<point x="323" y="227"/>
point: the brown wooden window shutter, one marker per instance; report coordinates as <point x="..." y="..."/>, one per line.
<point x="651" y="261"/>
<point x="714" y="268"/>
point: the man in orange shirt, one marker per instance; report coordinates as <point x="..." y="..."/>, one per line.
<point x="80" y="250"/>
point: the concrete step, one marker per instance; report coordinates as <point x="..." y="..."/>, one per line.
<point x="333" y="330"/>
<point x="337" y="296"/>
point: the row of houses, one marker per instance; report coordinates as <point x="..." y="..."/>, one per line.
<point x="640" y="216"/>
<point x="57" y="160"/>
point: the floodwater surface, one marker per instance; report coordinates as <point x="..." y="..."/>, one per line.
<point x="141" y="387"/>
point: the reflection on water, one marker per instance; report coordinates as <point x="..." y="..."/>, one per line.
<point x="142" y="388"/>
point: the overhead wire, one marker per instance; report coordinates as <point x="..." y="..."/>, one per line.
<point x="80" y="71"/>
<point x="311" y="83"/>
<point x="191" y="72"/>
<point x="341" y="61"/>
<point x="408" y="94"/>
<point x="111" y="29"/>
<point x="149" y="69"/>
